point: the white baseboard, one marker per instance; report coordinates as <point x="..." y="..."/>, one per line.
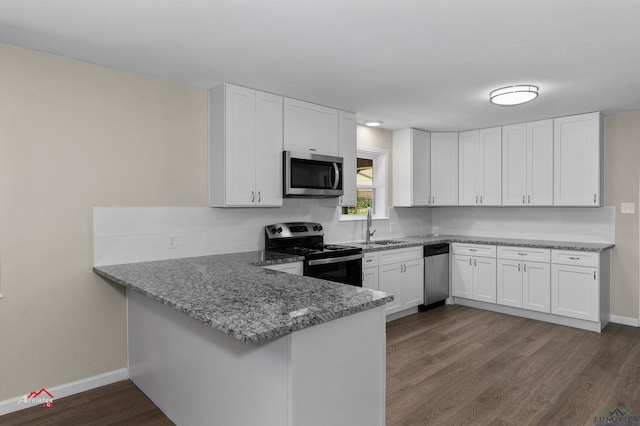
<point x="10" y="405"/>
<point x="634" y="322"/>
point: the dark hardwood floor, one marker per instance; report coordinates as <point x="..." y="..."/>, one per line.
<point x="447" y="366"/>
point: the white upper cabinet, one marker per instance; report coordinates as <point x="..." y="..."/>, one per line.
<point x="310" y="128"/>
<point x="527" y="164"/>
<point x="480" y="177"/>
<point x="411" y="168"/>
<point x="578" y="157"/>
<point x="444" y="169"/>
<point x="245" y="148"/>
<point x="348" y="150"/>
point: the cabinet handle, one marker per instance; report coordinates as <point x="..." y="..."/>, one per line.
<point x="475" y="262"/>
<point x="476" y="199"/>
<point x="433" y="199"/>
<point x="253" y="196"/>
<point x="481" y="202"/>
<point x="368" y="260"/>
<point x="472" y="249"/>
<point x="525" y="267"/>
<point x="523" y="200"/>
<point x="470" y="262"/>
<point x="529" y="199"/>
<point x="312" y="149"/>
<point x="594" y="275"/>
<point x="594" y="198"/>
<point x="518" y="267"/>
<point x="522" y="254"/>
<point x="259" y="196"/>
<point x="574" y="258"/>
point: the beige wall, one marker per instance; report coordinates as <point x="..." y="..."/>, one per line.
<point x="622" y="176"/>
<point x="74" y="136"/>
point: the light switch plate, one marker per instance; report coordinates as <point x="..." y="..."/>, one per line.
<point x="627" y="208"/>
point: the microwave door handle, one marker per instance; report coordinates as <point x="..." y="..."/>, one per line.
<point x="336" y="174"/>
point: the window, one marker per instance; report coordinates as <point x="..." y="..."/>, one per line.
<point x="371" y="181"/>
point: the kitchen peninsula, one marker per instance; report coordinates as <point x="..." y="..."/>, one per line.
<point x="284" y="349"/>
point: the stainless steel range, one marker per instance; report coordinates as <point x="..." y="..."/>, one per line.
<point x="331" y="262"/>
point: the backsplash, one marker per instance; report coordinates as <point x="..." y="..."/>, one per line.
<point x="582" y="224"/>
<point x="137" y="234"/>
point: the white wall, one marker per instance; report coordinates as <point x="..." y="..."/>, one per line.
<point x="543" y="223"/>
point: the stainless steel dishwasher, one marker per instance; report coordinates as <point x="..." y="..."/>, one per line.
<point x="436" y="274"/>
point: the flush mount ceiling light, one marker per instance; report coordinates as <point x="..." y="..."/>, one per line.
<point x="514" y="95"/>
<point x="373" y="123"/>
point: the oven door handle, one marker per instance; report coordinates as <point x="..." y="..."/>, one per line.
<point x="335" y="260"/>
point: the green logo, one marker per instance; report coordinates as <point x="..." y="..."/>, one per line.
<point x="617" y="416"/>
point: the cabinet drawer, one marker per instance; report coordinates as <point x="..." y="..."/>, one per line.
<point x="370" y="260"/>
<point x="387" y="257"/>
<point x="577" y="258"/>
<point x="474" y="249"/>
<point x="524" y="253"/>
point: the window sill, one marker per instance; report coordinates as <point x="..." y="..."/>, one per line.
<point x="355" y="218"/>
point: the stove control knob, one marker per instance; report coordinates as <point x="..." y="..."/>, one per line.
<point x="279" y="230"/>
<point x="315" y="228"/>
<point x="273" y="230"/>
<point x="319" y="227"/>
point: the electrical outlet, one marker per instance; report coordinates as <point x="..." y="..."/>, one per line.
<point x="628" y="208"/>
<point x="172" y="242"/>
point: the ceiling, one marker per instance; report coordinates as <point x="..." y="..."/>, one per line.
<point x="428" y="64"/>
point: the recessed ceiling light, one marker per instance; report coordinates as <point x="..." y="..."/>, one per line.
<point x="373" y="123"/>
<point x="514" y="95"/>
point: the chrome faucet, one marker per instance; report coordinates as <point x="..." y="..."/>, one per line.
<point x="369" y="224"/>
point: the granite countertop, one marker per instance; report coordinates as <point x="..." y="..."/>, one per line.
<point x="233" y="293"/>
<point x="434" y="239"/>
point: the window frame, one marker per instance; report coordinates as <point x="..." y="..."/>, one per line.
<point x="380" y="158"/>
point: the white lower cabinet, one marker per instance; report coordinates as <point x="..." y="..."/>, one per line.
<point x="401" y="273"/>
<point x="291" y="268"/>
<point x="524" y="283"/>
<point x="370" y="271"/>
<point x="473" y="272"/>
<point x="575" y="289"/>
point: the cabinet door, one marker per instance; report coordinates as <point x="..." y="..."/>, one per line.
<point x="370" y="278"/>
<point x="268" y="148"/>
<point x="310" y="128"/>
<point x="470" y="178"/>
<point x="540" y="163"/>
<point x="578" y="160"/>
<point x="413" y="283"/>
<point x="574" y="292"/>
<point x="348" y="152"/>
<point x="536" y="286"/>
<point x="421" y="168"/>
<point x="490" y="166"/>
<point x="411" y="168"/>
<point x="484" y="283"/>
<point x="462" y="276"/>
<point x="240" y="149"/>
<point x="514" y="165"/>
<point x="509" y="283"/>
<point x="390" y="281"/>
<point x="444" y="169"/>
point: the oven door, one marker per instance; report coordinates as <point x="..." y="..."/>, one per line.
<point x="346" y="269"/>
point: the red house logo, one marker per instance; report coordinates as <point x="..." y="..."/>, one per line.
<point x="43" y="397"/>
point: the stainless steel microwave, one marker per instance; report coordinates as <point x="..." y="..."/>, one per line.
<point x="312" y="175"/>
